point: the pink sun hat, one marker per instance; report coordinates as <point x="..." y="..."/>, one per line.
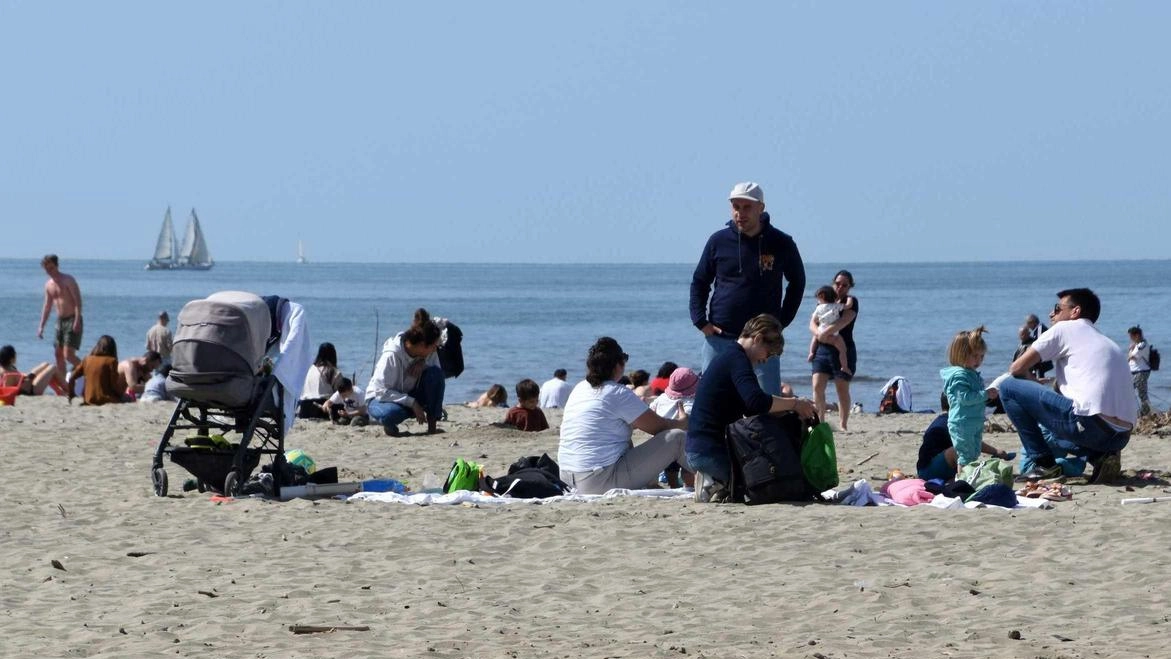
<point x="682" y="384"/>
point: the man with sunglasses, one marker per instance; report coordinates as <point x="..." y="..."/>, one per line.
<point x="744" y="268"/>
<point x="1093" y="409"/>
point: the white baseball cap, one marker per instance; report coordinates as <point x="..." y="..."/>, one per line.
<point x="747" y="190"/>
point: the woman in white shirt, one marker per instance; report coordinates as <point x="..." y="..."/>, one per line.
<point x="597" y="452"/>
<point x="321" y="381"/>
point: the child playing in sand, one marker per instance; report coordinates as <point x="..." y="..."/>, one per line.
<point x="527" y="415"/>
<point x="347" y="405"/>
<point x="966" y="395"/>
<point x="826" y="313"/>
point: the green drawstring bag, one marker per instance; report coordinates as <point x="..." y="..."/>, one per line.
<point x="987" y="472"/>
<point x="819" y="458"/>
<point x="464" y="475"/>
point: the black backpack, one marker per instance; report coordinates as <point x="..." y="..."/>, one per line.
<point x="1154" y="358"/>
<point x="766" y="459"/>
<point x="530" y="478"/>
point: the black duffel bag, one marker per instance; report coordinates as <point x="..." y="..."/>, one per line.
<point x="766" y="459"/>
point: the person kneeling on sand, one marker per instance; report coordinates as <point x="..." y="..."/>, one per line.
<point x="727" y="392"/>
<point x="408" y="380"/>
<point x="597" y="452"/>
<point x="527" y="415"/>
<point x="1094" y="408"/>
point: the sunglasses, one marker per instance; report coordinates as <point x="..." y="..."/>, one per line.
<point x="1057" y="308"/>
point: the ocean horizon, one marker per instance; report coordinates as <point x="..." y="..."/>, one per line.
<point x="523" y="320"/>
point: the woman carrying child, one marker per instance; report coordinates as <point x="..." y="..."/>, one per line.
<point x="827" y="360"/>
<point x="966" y="395"/>
<point x="825" y="314"/>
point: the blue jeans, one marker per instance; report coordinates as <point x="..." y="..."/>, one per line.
<point x="428" y="392"/>
<point x="714" y="463"/>
<point x="1034" y="408"/>
<point x="768" y="374"/>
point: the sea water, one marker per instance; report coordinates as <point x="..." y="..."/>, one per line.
<point x="525" y="320"/>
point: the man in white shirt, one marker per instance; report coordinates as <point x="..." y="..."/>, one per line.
<point x="556" y="391"/>
<point x="1092" y="411"/>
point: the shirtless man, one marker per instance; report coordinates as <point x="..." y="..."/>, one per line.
<point x="137" y="370"/>
<point x="61" y="290"/>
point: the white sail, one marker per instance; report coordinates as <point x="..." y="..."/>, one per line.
<point x="194" y="251"/>
<point x="300" y="253"/>
<point x="165" y="247"/>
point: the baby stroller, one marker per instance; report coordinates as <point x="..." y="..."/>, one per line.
<point x="223" y="383"/>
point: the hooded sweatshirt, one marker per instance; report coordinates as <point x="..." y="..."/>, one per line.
<point x="389" y="382"/>
<point x="748" y="274"/>
<point x="965" y="415"/>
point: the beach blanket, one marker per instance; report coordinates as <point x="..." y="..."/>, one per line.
<point x="861" y="494"/>
<point x="465" y="496"/>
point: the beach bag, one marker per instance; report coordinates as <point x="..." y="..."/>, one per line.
<point x="766" y="459"/>
<point x="987" y="472"/>
<point x="819" y="458"/>
<point x="464" y="475"/>
<point x="1154" y="359"/>
<point x="530" y="478"/>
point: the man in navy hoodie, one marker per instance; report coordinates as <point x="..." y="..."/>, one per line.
<point x="744" y="267"/>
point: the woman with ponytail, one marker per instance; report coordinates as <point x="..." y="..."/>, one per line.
<point x="408" y="380"/>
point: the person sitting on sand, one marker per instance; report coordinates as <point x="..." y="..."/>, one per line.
<point x="136" y="371"/>
<point x="1094" y="408"/>
<point x="527" y="415"/>
<point x="155" y="388"/>
<point x="555" y="391"/>
<point x="662" y="378"/>
<point x="32" y="383"/>
<point x="937" y="454"/>
<point x="408" y="380"/>
<point x="826" y="313"/>
<point x="640" y="384"/>
<point x="321" y="381"/>
<point x="597" y="452"/>
<point x="103" y="383"/>
<point x="677" y="400"/>
<point x="347" y="405"/>
<point x="727" y="392"/>
<point x="496" y="396"/>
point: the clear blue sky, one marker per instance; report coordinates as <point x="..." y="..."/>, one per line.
<point x="586" y="131"/>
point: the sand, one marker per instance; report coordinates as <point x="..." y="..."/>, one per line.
<point x="619" y="578"/>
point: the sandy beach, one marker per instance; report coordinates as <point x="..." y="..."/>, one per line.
<point x="183" y="576"/>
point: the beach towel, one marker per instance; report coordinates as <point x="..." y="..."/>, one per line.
<point x="902" y="393"/>
<point x="480" y="499"/>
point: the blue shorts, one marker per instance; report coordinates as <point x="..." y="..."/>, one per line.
<point x="938" y="468"/>
<point x="826" y="360"/>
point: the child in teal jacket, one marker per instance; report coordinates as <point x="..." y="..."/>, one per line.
<point x="965" y="393"/>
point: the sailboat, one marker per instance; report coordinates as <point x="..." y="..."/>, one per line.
<point x="300" y="253"/>
<point x="191" y="255"/>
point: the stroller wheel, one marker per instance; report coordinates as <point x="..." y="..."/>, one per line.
<point x="158" y="477"/>
<point x="201" y="486"/>
<point x="232" y="484"/>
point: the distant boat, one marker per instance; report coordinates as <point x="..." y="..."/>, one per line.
<point x="300" y="253"/>
<point x="191" y="255"/>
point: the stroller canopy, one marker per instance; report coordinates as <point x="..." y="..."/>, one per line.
<point x="236" y="320"/>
